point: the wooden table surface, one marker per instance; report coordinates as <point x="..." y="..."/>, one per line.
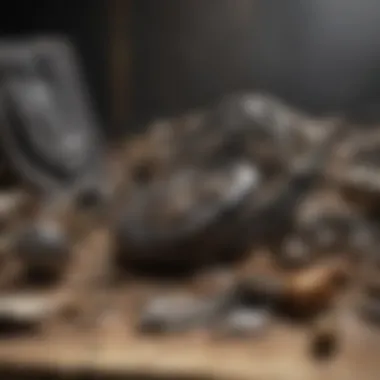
<point x="280" y="354"/>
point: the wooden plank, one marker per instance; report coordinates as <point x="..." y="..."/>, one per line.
<point x="282" y="355"/>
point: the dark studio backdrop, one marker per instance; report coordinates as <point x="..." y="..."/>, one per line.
<point x="149" y="58"/>
<point x="320" y="55"/>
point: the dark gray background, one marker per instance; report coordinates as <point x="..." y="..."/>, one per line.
<point x="322" y="55"/>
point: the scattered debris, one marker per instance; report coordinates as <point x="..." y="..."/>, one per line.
<point x="213" y="187"/>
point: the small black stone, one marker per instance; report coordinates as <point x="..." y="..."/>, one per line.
<point x="43" y="245"/>
<point x="324" y="346"/>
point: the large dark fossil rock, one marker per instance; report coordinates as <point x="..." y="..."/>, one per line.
<point x="236" y="180"/>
